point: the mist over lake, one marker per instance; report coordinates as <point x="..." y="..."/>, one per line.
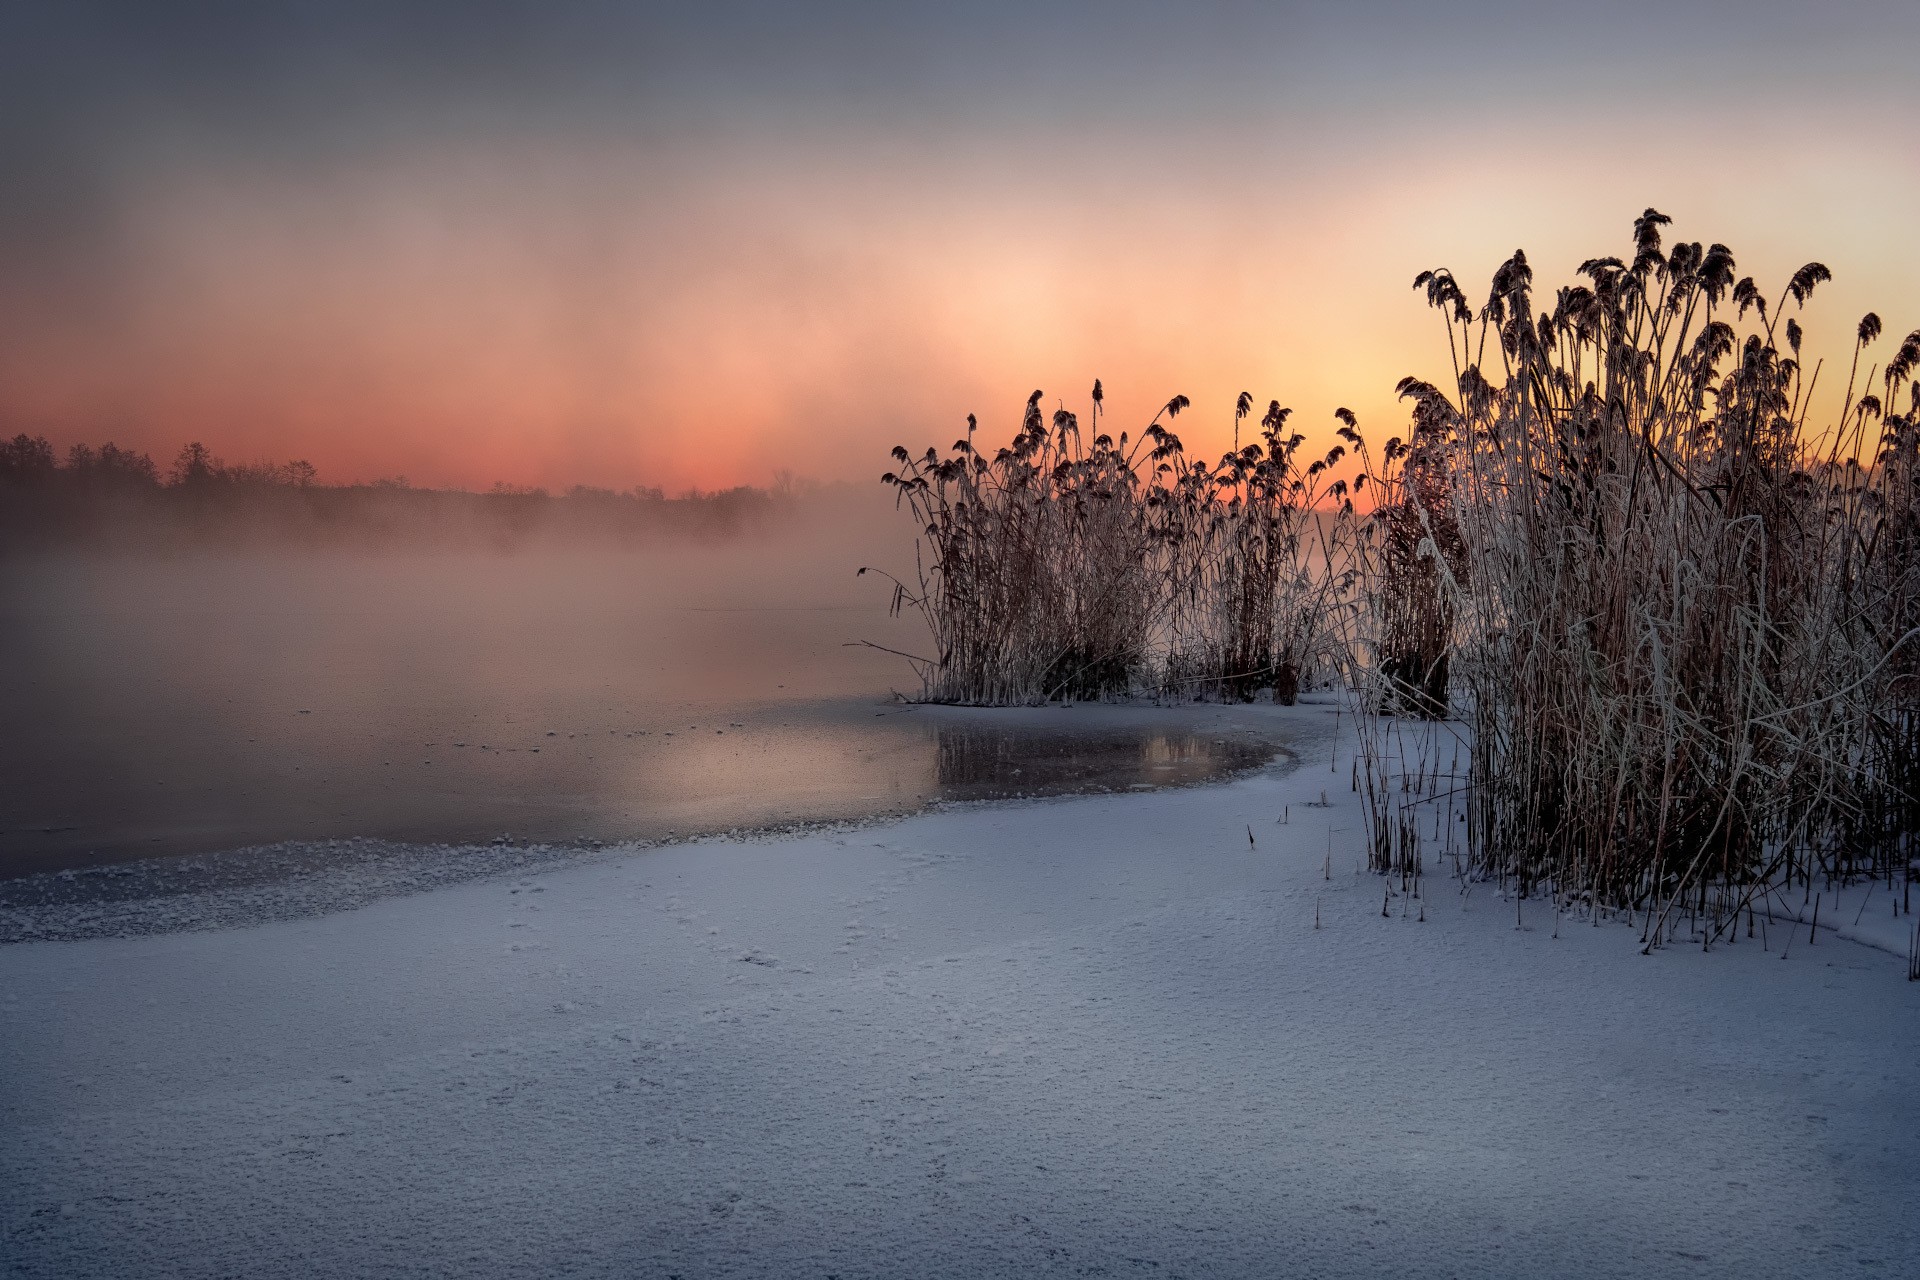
<point x="207" y="699"/>
<point x="959" y="641"/>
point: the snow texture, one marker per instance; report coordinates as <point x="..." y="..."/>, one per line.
<point x="1099" y="1036"/>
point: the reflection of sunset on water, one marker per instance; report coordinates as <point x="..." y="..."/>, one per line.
<point x="736" y="638"/>
<point x="205" y="703"/>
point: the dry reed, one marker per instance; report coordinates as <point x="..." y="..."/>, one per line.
<point x="1680" y="628"/>
<point x="1064" y="566"/>
<point x="1682" y="623"/>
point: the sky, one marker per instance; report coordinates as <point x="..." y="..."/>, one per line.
<point x="701" y="245"/>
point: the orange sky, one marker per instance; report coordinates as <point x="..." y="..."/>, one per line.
<point x="552" y="307"/>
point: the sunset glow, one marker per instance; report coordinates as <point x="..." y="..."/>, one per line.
<point x="660" y="251"/>
<point x="715" y="638"/>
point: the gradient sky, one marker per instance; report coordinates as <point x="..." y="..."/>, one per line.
<point x="696" y="245"/>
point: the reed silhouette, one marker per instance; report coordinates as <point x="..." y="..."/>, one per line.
<point x="1680" y="626"/>
<point x="1071" y="564"/>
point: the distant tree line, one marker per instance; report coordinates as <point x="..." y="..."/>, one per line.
<point x="109" y="496"/>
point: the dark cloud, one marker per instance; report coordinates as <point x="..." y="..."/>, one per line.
<point x="100" y="101"/>
<point x="317" y="77"/>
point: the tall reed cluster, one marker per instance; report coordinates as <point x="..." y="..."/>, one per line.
<point x="1682" y="625"/>
<point x="1073" y="564"/>
<point x="1623" y="626"/>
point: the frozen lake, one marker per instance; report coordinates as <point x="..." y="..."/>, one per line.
<point x="187" y="704"/>
<point x="1108" y="1035"/>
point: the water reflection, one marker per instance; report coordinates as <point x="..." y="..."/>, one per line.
<point x="985" y="761"/>
<point x="767" y="766"/>
<point x="158" y="708"/>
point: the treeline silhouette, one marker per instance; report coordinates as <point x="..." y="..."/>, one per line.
<point x="109" y="497"/>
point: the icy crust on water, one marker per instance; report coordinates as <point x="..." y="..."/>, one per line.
<point x="1096" y="1036"/>
<point x="286" y="881"/>
<point x="985" y="755"/>
<point x="251" y="886"/>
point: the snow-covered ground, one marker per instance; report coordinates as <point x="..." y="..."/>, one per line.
<point x="1099" y="1036"/>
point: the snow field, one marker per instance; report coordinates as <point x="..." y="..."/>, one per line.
<point x="1091" y="1036"/>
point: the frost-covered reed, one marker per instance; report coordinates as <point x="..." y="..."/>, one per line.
<point x="1681" y="623"/>
<point x="1623" y="627"/>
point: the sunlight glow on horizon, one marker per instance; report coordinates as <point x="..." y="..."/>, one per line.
<point x="541" y="309"/>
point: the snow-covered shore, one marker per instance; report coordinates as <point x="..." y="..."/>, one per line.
<point x="1088" y="1036"/>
